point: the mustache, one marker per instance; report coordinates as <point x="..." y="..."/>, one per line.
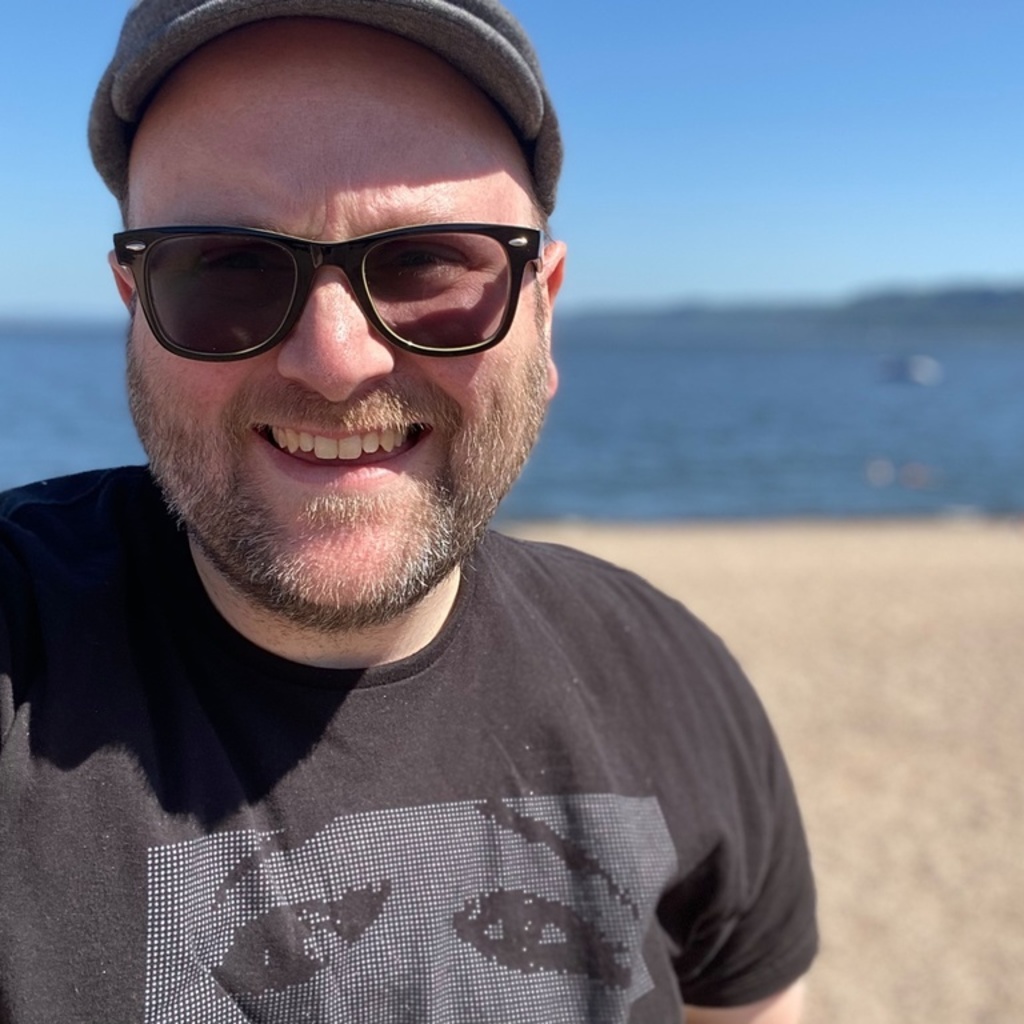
<point x="391" y="403"/>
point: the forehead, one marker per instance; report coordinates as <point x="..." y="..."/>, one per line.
<point x="279" y="119"/>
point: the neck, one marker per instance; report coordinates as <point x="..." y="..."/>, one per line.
<point x="400" y="638"/>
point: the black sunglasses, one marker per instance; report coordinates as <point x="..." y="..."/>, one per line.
<point x="224" y="293"/>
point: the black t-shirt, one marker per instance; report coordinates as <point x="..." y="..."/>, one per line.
<point x="569" y="806"/>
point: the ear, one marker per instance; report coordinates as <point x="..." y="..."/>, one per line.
<point x="551" y="276"/>
<point x="553" y="270"/>
<point x="123" y="279"/>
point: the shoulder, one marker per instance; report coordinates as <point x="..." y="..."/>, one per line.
<point x="80" y="518"/>
<point x="65" y="534"/>
<point x="71" y="534"/>
<point x="604" y="604"/>
<point x="69" y="549"/>
<point x="568" y="580"/>
<point x="637" y="651"/>
<point x="81" y="497"/>
<point x="621" y="634"/>
<point x="78" y="511"/>
<point x="65" y="541"/>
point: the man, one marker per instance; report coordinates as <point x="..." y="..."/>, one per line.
<point x="287" y="736"/>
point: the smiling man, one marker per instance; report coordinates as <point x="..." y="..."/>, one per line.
<point x="333" y="485"/>
<point x="288" y="735"/>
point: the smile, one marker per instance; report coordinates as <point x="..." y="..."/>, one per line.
<point x="384" y="441"/>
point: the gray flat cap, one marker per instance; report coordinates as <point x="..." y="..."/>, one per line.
<point x="478" y="37"/>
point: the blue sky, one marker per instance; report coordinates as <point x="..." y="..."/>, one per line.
<point x="716" y="150"/>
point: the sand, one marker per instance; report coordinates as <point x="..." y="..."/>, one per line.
<point x="890" y="656"/>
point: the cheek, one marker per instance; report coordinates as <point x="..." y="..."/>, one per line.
<point x="466" y="380"/>
<point x="185" y="388"/>
<point x="476" y="382"/>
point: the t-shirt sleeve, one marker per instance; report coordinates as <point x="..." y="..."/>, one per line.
<point x="757" y="933"/>
<point x="750" y="898"/>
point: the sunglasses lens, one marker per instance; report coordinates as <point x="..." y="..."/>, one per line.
<point x="220" y="294"/>
<point x="444" y="291"/>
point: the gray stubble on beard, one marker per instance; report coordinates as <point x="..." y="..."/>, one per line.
<point x="227" y="520"/>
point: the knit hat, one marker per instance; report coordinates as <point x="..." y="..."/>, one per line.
<point x="480" y="38"/>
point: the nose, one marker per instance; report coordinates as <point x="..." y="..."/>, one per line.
<point x="332" y="349"/>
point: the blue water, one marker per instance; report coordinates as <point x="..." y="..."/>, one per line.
<point x="652" y="431"/>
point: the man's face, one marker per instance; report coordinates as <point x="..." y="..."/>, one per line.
<point x="328" y="131"/>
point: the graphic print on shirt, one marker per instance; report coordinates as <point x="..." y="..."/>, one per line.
<point x="508" y="911"/>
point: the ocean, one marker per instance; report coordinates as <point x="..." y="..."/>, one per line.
<point x="650" y="430"/>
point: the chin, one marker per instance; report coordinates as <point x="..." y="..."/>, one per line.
<point x="339" y="566"/>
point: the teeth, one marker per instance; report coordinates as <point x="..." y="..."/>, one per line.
<point x="325" y="447"/>
<point x="351" y="447"/>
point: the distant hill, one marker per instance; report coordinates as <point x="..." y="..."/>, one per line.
<point x="961" y="312"/>
<point x="981" y="311"/>
<point x="967" y="307"/>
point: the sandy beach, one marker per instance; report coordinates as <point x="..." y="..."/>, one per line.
<point x="890" y="656"/>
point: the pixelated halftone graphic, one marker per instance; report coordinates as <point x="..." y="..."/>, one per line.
<point x="514" y="911"/>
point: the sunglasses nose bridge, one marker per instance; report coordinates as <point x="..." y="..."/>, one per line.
<point x="319" y="255"/>
<point x="334" y="255"/>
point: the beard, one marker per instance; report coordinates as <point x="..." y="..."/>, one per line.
<point x="285" y="567"/>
